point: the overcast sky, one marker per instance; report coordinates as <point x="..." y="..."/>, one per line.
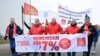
<point x="12" y="8"/>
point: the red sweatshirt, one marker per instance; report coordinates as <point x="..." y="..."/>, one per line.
<point x="35" y="30"/>
<point x="54" y="29"/>
<point x="72" y="30"/>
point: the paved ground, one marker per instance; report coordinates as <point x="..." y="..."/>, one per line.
<point x="5" y="51"/>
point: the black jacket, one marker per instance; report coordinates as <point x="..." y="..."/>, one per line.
<point x="19" y="32"/>
<point x="91" y="28"/>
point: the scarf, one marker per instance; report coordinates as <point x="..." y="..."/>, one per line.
<point x="86" y="29"/>
<point x="14" y="30"/>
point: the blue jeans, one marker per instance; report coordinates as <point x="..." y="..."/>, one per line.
<point x="12" y="47"/>
<point x="94" y="45"/>
<point x="71" y="54"/>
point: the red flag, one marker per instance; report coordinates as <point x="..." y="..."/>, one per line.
<point x="46" y="22"/>
<point x="30" y="10"/>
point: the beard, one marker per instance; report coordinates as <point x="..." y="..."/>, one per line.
<point x="73" y="25"/>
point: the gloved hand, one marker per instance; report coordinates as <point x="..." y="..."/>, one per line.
<point x="5" y="37"/>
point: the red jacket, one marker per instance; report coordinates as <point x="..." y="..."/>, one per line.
<point x="54" y="29"/>
<point x="35" y="30"/>
<point x="72" y="30"/>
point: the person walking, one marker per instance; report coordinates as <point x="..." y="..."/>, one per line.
<point x="11" y="31"/>
<point x="37" y="29"/>
<point x="90" y="30"/>
<point x="95" y="38"/>
<point x="72" y="29"/>
<point x="54" y="28"/>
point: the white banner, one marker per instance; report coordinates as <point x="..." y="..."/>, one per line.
<point x="51" y="43"/>
<point x="65" y="16"/>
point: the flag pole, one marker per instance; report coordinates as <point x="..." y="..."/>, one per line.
<point x="30" y="14"/>
<point x="22" y="19"/>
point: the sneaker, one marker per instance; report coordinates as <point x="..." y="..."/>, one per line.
<point x="93" y="52"/>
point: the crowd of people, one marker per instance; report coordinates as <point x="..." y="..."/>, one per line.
<point x="54" y="27"/>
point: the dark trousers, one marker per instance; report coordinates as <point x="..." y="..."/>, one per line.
<point x="53" y="54"/>
<point x="35" y="54"/>
<point x="90" y="40"/>
<point x="43" y="54"/>
<point x="71" y="54"/>
<point x="12" y="47"/>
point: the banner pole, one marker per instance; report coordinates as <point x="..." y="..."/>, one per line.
<point x="22" y="19"/>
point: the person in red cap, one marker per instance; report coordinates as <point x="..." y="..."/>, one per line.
<point x="72" y="29"/>
<point x="54" y="28"/>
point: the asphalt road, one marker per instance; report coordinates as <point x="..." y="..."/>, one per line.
<point x="5" y="51"/>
